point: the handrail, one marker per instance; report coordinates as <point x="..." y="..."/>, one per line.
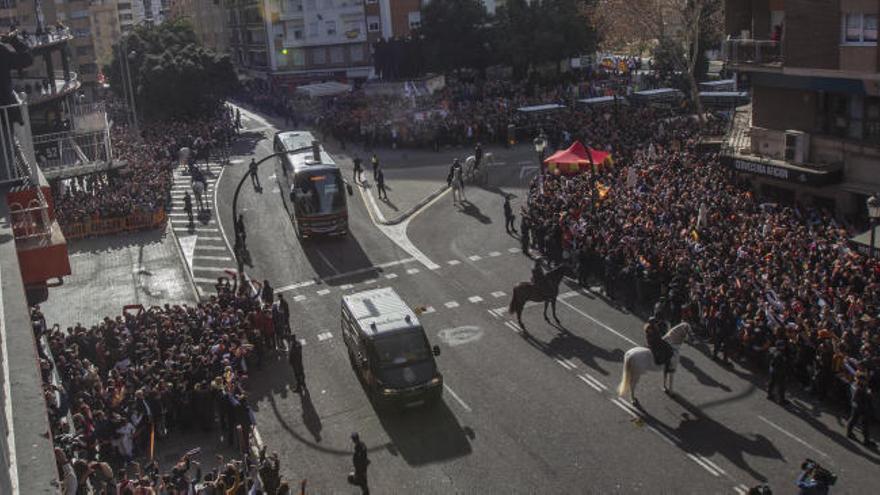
<point x="47" y="37"/>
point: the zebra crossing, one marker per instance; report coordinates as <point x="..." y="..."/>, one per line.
<point x="204" y="248"/>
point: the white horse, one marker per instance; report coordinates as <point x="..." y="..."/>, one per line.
<point x="639" y="360"/>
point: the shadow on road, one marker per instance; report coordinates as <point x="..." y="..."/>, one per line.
<point x="427" y="434"/>
<point x="472" y="210"/>
<point x="701" y="375"/>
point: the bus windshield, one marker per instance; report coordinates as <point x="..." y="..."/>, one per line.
<point x="319" y="192"/>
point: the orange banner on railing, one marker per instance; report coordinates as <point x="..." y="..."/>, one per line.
<point x="110" y="226"/>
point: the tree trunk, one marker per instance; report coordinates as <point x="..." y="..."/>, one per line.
<point x="693" y="57"/>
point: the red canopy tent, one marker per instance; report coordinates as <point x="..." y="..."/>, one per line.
<point x="574" y="159"/>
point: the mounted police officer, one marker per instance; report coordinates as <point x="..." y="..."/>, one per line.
<point x="661" y="349"/>
<point x="538" y="276"/>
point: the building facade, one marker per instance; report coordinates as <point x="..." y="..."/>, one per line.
<point x="813" y="133"/>
<point x="208" y="18"/>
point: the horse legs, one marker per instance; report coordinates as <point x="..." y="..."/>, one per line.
<point x="546" y="303"/>
<point x="553" y="302"/>
<point x="668" y="389"/>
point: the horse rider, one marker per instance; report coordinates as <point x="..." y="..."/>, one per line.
<point x="661" y="349"/>
<point x="456" y="164"/>
<point x="478" y="156"/>
<point x="539" y="278"/>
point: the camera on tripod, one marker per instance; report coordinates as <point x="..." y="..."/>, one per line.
<point x="819" y="473"/>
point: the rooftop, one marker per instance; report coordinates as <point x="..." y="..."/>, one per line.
<point x="381" y="310"/>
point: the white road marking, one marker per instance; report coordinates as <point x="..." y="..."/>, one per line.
<point x="412" y="271"/>
<point x="702" y="464"/>
<point x="306" y="283"/>
<point x="295" y="286"/>
<point x="593" y="380"/>
<point x="619" y="403"/>
<point x="370" y="281"/>
<point x="323" y="292"/>
<point x="202" y="247"/>
<point x="299" y="297"/>
<point x="460" y="335"/>
<point x="563" y="363"/>
<point x="324" y="336"/>
<point x="498" y="293"/>
<point x="591" y="384"/>
<point x="428" y="310"/>
<point x="345" y="287"/>
<point x="513" y="326"/>
<point x="570" y="363"/>
<point x="326" y="261"/>
<point x="391" y="276"/>
<point x="455" y="396"/>
<point x="606" y="327"/>
<point x="793" y="436"/>
<point x="475" y="257"/>
<point x="500" y="310"/>
<point x="566" y="295"/>
<point x="212" y="269"/>
<point x="210" y="238"/>
<point x="202" y="280"/>
<point x="494" y="314"/>
<point x="711" y="464"/>
<point x="453" y="262"/>
<point x="514" y="250"/>
<point x="213" y="258"/>
<point x="740" y="490"/>
<point x="7" y="406"/>
<point x="494" y="254"/>
<point x="451" y="304"/>
<point x="475" y="299"/>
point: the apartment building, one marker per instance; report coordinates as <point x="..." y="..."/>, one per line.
<point x="813" y="132"/>
<point x="106" y="29"/>
<point x="208" y="18"/>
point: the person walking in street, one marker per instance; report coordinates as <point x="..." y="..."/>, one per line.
<point x="358" y="170"/>
<point x="267" y="293"/>
<point x="188" y="207"/>
<point x="360" y="461"/>
<point x="295" y="358"/>
<point x="240" y="234"/>
<point x="374" y="160"/>
<point x="255" y="178"/>
<point x="509" y="217"/>
<point x="861" y="410"/>
<point x="478" y="156"/>
<point x="779" y="365"/>
<point x="525" y="231"/>
<point x="380" y="185"/>
<point x="281" y="318"/>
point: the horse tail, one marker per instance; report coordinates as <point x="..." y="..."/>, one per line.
<point x="625" y="379"/>
<point x="514" y="300"/>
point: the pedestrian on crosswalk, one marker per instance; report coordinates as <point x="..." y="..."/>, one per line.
<point x="188" y="207"/>
<point x="281" y="318"/>
<point x="360" y="462"/>
<point x="380" y="184"/>
<point x="375" y="162"/>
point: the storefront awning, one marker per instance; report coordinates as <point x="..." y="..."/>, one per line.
<point x="862" y="242"/>
<point x="779" y="170"/>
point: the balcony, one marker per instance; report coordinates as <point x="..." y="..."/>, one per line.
<point x="16" y="148"/>
<point x="51" y="37"/>
<point x="38" y="90"/>
<point x="71" y="153"/>
<point x="759" y="53"/>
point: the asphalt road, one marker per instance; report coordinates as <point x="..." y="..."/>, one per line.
<point x="522" y="413"/>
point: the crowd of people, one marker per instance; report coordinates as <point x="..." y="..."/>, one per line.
<point x="143" y="183"/>
<point x="116" y="389"/>
<point x="765" y="280"/>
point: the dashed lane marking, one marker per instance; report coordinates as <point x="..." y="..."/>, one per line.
<point x="345" y="287"/>
<point x="390" y="276"/>
<point x="494" y="254"/>
<point x="792" y="436"/>
<point x="475" y="299"/>
<point x="591" y="384"/>
<point x="563" y="363"/>
<point x="299" y="298"/>
<point x="211" y="269"/>
<point x="412" y="271"/>
<point x="514" y="250"/>
<point x="202" y="280"/>
<point x="453" y="262"/>
<point x="202" y="247"/>
<point x="513" y="326"/>
<point x="455" y="396"/>
<point x="323" y="292"/>
<point x="498" y="293"/>
<point x="451" y="304"/>
<point x="212" y="258"/>
<point x="703" y="464"/>
<point x="475" y="257"/>
<point x="428" y="310"/>
<point x="324" y="336"/>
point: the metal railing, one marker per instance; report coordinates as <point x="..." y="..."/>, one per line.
<point x="72" y="148"/>
<point x="89" y="117"/>
<point x="757" y="52"/>
<point x="16" y="147"/>
<point x="31" y="221"/>
<point x="51" y="35"/>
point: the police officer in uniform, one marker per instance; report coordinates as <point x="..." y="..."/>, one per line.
<point x="538" y="276"/>
<point x="779" y="364"/>
<point x="861" y="410"/>
<point x="661" y="349"/>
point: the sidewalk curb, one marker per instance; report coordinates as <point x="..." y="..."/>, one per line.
<point x="188" y="269"/>
<point x="418" y="206"/>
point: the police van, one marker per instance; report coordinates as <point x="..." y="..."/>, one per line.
<point x="389" y="350"/>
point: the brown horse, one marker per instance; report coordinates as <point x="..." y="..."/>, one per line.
<point x="527" y="291"/>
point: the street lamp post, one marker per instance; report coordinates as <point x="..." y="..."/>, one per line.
<point x="540" y="145"/>
<point x="874" y="215"/>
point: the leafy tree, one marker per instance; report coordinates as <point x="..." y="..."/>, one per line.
<point x="539" y="32"/>
<point x="456" y="34"/>
<point x="172" y="75"/>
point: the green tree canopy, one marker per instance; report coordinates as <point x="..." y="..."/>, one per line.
<point x="173" y="76"/>
<point x="456" y="34"/>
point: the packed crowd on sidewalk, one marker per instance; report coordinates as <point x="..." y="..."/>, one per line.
<point x="143" y="183"/>
<point x="763" y="279"/>
<point x="116" y="390"/>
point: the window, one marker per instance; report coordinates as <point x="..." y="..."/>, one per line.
<point x="337" y="56"/>
<point x="373" y="23"/>
<point x="331" y="28"/>
<point x="313" y="29"/>
<point x="297" y="34"/>
<point x="415" y="20"/>
<point x="299" y="57"/>
<point x="859" y="28"/>
<point x="79" y="14"/>
<point x="356" y="53"/>
<point x="319" y="56"/>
